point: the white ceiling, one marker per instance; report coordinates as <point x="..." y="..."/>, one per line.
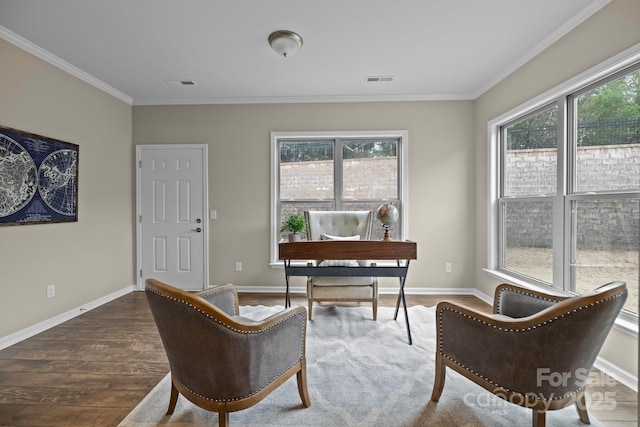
<point x="434" y="49"/>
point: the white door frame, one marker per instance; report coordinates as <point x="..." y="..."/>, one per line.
<point x="205" y="197"/>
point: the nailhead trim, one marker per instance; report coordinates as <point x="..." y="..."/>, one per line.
<point x="575" y="310"/>
<point x="522" y="293"/>
<point x="304" y="327"/>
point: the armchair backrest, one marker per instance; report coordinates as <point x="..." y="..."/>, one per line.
<point x="339" y="223"/>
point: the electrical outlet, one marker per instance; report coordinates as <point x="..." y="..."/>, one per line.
<point x="238" y="266"/>
<point x="447" y="267"/>
<point x="51" y="291"/>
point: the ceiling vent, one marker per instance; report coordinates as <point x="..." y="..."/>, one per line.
<point x="378" y="79"/>
<point x="180" y="82"/>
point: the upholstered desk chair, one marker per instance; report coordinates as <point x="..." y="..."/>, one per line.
<point x="536" y="350"/>
<point x="223" y="362"/>
<point x="341" y="225"/>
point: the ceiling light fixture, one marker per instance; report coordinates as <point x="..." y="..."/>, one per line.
<point x="286" y="43"/>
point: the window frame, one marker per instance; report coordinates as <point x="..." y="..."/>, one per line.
<point x="563" y="95"/>
<point x="278" y="136"/>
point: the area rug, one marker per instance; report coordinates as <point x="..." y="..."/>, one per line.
<point x="360" y="373"/>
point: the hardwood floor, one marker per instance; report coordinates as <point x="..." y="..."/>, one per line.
<point x="94" y="369"/>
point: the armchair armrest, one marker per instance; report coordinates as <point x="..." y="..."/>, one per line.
<point x="269" y="348"/>
<point x="476" y="343"/>
<point x="501" y="353"/>
<point x="516" y="302"/>
<point x="224" y="297"/>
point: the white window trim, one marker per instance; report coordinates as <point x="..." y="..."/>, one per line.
<point x="403" y="135"/>
<point x="612" y="65"/>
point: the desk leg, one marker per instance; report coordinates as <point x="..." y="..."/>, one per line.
<point x="400" y="293"/>
<point x="404" y="304"/>
<point x="287" y="296"/>
<point x="395" y="315"/>
<point x="406" y="314"/>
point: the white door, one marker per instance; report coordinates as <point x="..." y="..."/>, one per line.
<point x="172" y="204"/>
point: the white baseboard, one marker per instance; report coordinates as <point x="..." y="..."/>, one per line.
<point x="25" y="333"/>
<point x="271" y="289"/>
<point x="617" y="374"/>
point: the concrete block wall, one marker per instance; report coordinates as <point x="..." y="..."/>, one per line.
<point x="602" y="224"/>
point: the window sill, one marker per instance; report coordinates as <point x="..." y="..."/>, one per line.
<point x="624" y="325"/>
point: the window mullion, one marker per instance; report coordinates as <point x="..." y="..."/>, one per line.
<point x="337" y="174"/>
<point x="502" y="241"/>
<point x="570" y="216"/>
<point x="560" y="247"/>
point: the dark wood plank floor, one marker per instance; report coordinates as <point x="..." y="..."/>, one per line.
<point x="94" y="369"/>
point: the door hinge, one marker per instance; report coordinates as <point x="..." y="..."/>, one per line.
<point x="140" y="218"/>
<point x="140" y="273"/>
<point x="140" y="164"/>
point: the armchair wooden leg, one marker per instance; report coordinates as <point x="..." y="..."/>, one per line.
<point x="438" y="384"/>
<point x="310" y="308"/>
<point x="173" y="399"/>
<point x="539" y="418"/>
<point x="374" y="305"/>
<point x="581" y="406"/>
<point x="302" y="385"/>
<point x="223" y="418"/>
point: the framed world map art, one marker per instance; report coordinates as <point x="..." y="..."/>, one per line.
<point x="38" y="179"/>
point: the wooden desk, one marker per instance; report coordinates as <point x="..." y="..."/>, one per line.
<point x="378" y="250"/>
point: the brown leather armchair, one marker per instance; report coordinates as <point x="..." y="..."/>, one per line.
<point x="535" y="350"/>
<point x="223" y="362"/>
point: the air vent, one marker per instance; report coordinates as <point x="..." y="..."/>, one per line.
<point x="180" y="82"/>
<point x="378" y="79"/>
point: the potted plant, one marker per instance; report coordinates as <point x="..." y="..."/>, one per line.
<point x="294" y="224"/>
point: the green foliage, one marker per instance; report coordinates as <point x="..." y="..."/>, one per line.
<point x="617" y="100"/>
<point x="315" y="151"/>
<point x="293" y="224"/>
<point x="607" y="114"/>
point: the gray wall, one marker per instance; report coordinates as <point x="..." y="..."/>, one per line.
<point x="613" y="29"/>
<point x="93" y="257"/>
<point x="440" y="167"/>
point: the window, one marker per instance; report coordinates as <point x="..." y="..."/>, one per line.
<point x="529" y="186"/>
<point x="337" y="171"/>
<point x="567" y="188"/>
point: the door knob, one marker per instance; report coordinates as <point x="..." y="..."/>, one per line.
<point x="197" y="230"/>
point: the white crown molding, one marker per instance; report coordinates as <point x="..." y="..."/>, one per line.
<point x="37" y="51"/>
<point x="30" y="331"/>
<point x="46" y="56"/>
<point x="553" y="37"/>
<point x="305" y="99"/>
